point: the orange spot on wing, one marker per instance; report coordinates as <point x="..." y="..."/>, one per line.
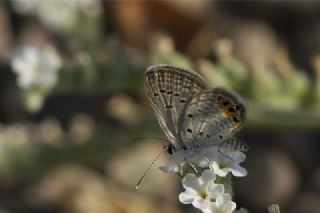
<point x="226" y="111"/>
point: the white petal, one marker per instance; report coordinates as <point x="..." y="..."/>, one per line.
<point x="223" y="198"/>
<point x="190" y="181"/>
<point x="206" y="177"/>
<point x="221" y="172"/>
<point x="215" y="190"/>
<point x="211" y="209"/>
<point x="170" y="167"/>
<point x="201" y="203"/>
<point x="187" y="197"/>
<point x="239" y="171"/>
<point x="202" y="162"/>
<point x="230" y="206"/>
<point x="239" y="157"/>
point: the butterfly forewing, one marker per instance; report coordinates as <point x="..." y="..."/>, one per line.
<point x="211" y="117"/>
<point x="169" y="89"/>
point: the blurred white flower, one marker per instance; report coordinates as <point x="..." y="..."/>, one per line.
<point x="223" y="204"/>
<point x="25" y="6"/>
<point x="33" y="100"/>
<point x="202" y="191"/>
<point x="57" y="14"/>
<point x="36" y="66"/>
<point x="223" y="163"/>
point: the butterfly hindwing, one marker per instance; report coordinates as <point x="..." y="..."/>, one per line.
<point x="169" y="89"/>
<point x="233" y="144"/>
<point x="211" y="117"/>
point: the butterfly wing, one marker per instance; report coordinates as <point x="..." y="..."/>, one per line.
<point x="212" y="117"/>
<point x="169" y="88"/>
<point x="232" y="144"/>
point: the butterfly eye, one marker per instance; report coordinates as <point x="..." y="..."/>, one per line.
<point x="171" y="149"/>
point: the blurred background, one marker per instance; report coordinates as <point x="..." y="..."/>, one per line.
<point x="72" y="99"/>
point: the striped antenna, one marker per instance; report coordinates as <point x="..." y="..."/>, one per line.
<point x="164" y="150"/>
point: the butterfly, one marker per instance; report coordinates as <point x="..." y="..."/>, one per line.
<point x="192" y="115"/>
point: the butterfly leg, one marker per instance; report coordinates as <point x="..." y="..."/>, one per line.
<point x="208" y="161"/>
<point x="224" y="154"/>
<point x="191" y="164"/>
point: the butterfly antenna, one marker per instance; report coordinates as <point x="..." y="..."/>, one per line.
<point x="151" y="165"/>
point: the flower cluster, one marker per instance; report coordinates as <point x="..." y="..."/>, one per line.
<point x="205" y="177"/>
<point x="60" y="15"/>
<point x="37" y="69"/>
<point x="36" y="66"/>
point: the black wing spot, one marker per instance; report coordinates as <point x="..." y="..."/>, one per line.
<point x="155" y="94"/>
<point x="236" y="119"/>
<point x="190" y="115"/>
<point x="189" y="130"/>
<point x="169" y="92"/>
<point x="231" y="109"/>
<point x="162" y="90"/>
<point x="220" y="136"/>
<point x="169" y="106"/>
<point x="208" y="136"/>
<point x="176" y="94"/>
<point x="200" y="133"/>
<point x="225" y="102"/>
<point x="183" y="100"/>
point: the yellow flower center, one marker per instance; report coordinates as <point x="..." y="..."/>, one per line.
<point x="223" y="165"/>
<point x="221" y="211"/>
<point x="203" y="195"/>
<point x="212" y="199"/>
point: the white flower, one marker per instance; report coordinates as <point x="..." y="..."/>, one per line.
<point x="175" y="163"/>
<point x="200" y="192"/>
<point x="57" y="14"/>
<point x="181" y="158"/>
<point x="25" y="6"/>
<point x="213" y="158"/>
<point x="223" y="204"/>
<point x="223" y="163"/>
<point x="36" y="66"/>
